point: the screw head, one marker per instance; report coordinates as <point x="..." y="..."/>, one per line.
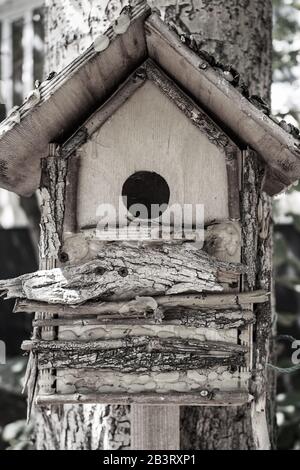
<point x="204" y="393"/>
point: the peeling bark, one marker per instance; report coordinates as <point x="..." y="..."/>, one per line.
<point x="137" y="354"/>
<point x="122" y="273"/>
<point x="219" y="319"/>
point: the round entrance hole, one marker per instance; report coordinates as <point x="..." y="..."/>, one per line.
<point x="146" y="194"/>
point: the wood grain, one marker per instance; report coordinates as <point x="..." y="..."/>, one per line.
<point x="234" y="397"/>
<point x="122" y="272"/>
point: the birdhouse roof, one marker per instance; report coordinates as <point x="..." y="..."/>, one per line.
<point x="58" y="106"/>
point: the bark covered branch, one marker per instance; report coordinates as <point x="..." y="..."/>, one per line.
<point x="124" y="272"/>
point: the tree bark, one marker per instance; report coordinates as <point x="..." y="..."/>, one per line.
<point x="124" y="273"/>
<point x="236" y="32"/>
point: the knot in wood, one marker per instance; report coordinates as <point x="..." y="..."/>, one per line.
<point x="100" y="270"/>
<point x="123" y="272"/>
<point x="63" y="257"/>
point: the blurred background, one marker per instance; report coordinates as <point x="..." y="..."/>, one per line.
<point x="21" y="64"/>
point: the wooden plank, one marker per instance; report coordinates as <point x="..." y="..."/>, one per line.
<point x="234" y="397"/>
<point x="149" y="343"/>
<point x="155" y="427"/>
<point x="122" y="272"/>
<point x="107" y="310"/>
<point x="137" y="354"/>
<point x="220" y="319"/>
<point x="157" y="120"/>
<point x="90" y="381"/>
<point x="153" y="135"/>
<point x="70" y="212"/>
<point x="206" y="125"/>
<point x="279" y="149"/>
<point x="121" y="95"/>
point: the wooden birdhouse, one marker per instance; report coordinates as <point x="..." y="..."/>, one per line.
<point x="132" y="307"/>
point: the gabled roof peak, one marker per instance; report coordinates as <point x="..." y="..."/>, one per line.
<point x="59" y="105"/>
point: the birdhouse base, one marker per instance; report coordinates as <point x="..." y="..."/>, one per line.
<point x="190" y="350"/>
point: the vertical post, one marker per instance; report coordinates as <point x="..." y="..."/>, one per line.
<point x="27" y="44"/>
<point x="155" y="427"/>
<point x="6" y="64"/>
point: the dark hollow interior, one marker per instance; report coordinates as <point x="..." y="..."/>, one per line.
<point x="147" y="188"/>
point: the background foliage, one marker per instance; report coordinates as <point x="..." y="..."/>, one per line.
<point x="286" y="104"/>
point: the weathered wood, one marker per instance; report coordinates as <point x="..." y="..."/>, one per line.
<point x="220" y="319"/>
<point x="149" y="343"/>
<point x="137" y="354"/>
<point x="257" y="251"/>
<point x="217" y="398"/>
<point x="210" y="129"/>
<point x="52" y="193"/>
<point x="123" y="272"/>
<point x="159" y="130"/>
<point x="70" y="199"/>
<point x="82" y="381"/>
<point x="107" y="310"/>
<point x="223" y="240"/>
<point x="123" y="93"/>
<point x="147" y="420"/>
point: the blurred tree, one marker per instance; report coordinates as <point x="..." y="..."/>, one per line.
<point x="286" y="47"/>
<point x="285" y="95"/>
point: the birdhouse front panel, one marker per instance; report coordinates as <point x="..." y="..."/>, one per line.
<point x="149" y="133"/>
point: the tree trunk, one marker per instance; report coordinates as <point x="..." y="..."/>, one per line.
<point x="236" y="32"/>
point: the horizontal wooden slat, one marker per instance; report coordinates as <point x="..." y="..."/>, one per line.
<point x="84" y="381"/>
<point x="234" y="397"/>
<point x="107" y="311"/>
<point x="137" y="354"/>
<point x="122" y="272"/>
<point x="205" y="318"/>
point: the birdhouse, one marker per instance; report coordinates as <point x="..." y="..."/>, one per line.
<point x="146" y="153"/>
